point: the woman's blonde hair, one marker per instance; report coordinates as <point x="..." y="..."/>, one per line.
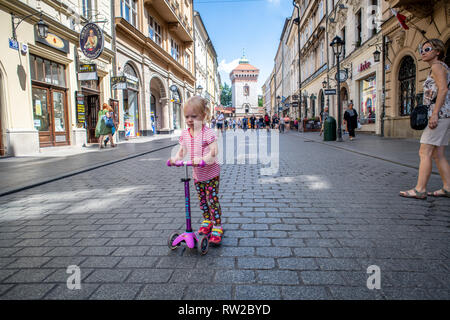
<point x="438" y="45"/>
<point x="105" y="106"/>
<point x="200" y="105"/>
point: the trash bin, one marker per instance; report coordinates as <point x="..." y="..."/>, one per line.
<point x="329" y="129"/>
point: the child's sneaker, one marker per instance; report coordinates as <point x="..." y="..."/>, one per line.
<point x="216" y="235"/>
<point x="205" y="227"/>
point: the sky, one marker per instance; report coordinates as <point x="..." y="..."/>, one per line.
<point x="251" y="25"/>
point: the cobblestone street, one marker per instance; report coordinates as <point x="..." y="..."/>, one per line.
<point x="308" y="232"/>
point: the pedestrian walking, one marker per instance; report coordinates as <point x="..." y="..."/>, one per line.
<point x="281" y="125"/>
<point x="351" y="120"/>
<point x="200" y="143"/>
<point x="437" y="134"/>
<point x="233" y="123"/>
<point x="267" y="122"/>
<point x="239" y="123"/>
<point x="101" y="129"/>
<point x="115" y="123"/>
<point x="252" y="122"/>
<point x="323" y="117"/>
<point x="219" y="121"/>
<point x="287" y="123"/>
<point x="226" y="124"/>
<point x="213" y="123"/>
<point x="244" y="123"/>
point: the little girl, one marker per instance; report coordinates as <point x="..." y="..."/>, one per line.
<point x="201" y="143"/>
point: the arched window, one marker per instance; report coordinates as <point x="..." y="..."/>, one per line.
<point x="407" y="85"/>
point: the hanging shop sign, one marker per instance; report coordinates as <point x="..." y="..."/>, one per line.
<point x="329" y="92"/>
<point x="53" y="41"/>
<point x="80" y="110"/>
<point x="87" y="72"/>
<point x="119" y="83"/>
<point x="91" y="41"/>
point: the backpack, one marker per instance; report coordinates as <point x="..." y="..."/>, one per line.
<point x="108" y="121"/>
<point x="419" y="117"/>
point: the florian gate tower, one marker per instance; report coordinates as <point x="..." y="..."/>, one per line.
<point x="244" y="80"/>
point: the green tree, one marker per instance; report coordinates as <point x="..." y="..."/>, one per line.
<point x="226" y="95"/>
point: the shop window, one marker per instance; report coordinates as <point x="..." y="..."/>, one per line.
<point x="50" y="72"/>
<point x="407" y="85"/>
<point x="368" y="100"/>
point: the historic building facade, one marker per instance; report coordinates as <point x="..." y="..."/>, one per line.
<point x="206" y="66"/>
<point x="45" y="97"/>
<point x="405" y="71"/>
<point x="154" y="42"/>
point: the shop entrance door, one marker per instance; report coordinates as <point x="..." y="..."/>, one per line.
<point x="50" y="116"/>
<point x="92" y="109"/>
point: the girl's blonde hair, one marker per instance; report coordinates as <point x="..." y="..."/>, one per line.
<point x="200" y="105"/>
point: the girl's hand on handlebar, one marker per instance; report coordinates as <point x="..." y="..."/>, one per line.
<point x="171" y="161"/>
<point x="197" y="162"/>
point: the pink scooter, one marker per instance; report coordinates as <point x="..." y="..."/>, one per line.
<point x="192" y="240"/>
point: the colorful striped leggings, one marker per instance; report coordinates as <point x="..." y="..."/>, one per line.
<point x="208" y="195"/>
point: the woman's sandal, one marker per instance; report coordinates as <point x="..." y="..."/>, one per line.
<point x="415" y="195"/>
<point x="438" y="193"/>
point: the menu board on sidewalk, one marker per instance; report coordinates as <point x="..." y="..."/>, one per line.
<point x="81" y="109"/>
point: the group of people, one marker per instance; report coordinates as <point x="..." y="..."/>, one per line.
<point x="223" y="124"/>
<point x="106" y="126"/>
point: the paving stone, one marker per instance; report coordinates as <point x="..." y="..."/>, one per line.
<point x="107" y="275"/>
<point x="116" y="292"/>
<point x="256" y="263"/>
<point x="304" y="293"/>
<point x="150" y="276"/>
<point x="254" y="292"/>
<point x="277" y="277"/>
<point x="61" y="292"/>
<point x="162" y="292"/>
<point x="29" y="276"/>
<point x="27" y="292"/>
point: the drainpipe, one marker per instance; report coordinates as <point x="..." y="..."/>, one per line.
<point x="383" y="81"/>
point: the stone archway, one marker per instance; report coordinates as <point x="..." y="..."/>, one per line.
<point x="158" y="104"/>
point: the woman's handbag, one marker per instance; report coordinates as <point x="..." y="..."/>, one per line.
<point x="419" y="117"/>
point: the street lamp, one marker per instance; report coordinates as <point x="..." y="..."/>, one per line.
<point x="297" y="21"/>
<point x="41" y="25"/>
<point x="337" y="44"/>
<point x="199" y="90"/>
<point x="278" y="104"/>
<point x="376" y="55"/>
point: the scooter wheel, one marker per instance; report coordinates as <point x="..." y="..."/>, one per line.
<point x="203" y="245"/>
<point x="172" y="238"/>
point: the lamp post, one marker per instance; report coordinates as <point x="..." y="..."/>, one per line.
<point x="199" y="90"/>
<point x="41" y="25"/>
<point x="297" y="21"/>
<point x="337" y="45"/>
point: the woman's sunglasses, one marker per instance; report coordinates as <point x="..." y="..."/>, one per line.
<point x="426" y="50"/>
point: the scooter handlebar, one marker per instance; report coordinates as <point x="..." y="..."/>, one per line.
<point x="202" y="164"/>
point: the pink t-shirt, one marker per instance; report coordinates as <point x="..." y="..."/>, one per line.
<point x="198" y="147"/>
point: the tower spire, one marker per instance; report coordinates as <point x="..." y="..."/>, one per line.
<point x="243" y="58"/>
